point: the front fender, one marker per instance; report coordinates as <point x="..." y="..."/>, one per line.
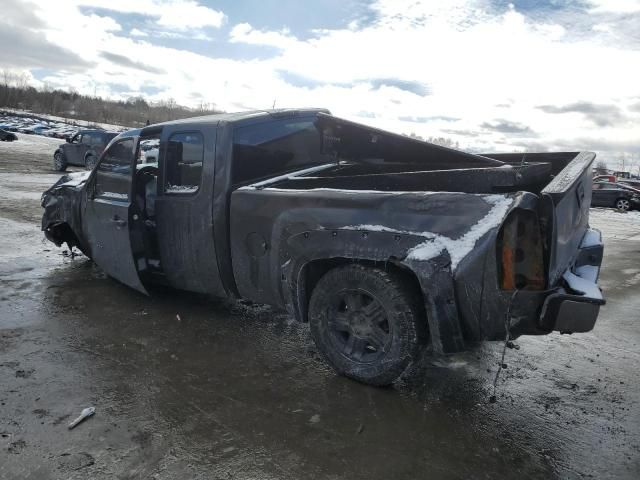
<point x="62" y="203"/>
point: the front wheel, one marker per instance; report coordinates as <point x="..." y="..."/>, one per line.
<point x="623" y="204"/>
<point x="59" y="162"/>
<point x="367" y="322"/>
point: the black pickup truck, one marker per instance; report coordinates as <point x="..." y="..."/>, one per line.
<point x="384" y="243"/>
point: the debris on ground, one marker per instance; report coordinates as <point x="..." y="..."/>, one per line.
<point x="86" y="413"/>
<point x="513" y="345"/>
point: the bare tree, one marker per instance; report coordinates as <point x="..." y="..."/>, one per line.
<point x="15" y="92"/>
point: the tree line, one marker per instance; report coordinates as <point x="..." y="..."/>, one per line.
<point x="15" y="92"/>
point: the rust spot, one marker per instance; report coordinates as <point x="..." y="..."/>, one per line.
<point x="508" y="276"/>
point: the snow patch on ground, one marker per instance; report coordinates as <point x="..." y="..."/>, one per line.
<point x="69" y="121"/>
<point x="613" y="215"/>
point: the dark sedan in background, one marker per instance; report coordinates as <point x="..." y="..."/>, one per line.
<point x="615" y="195"/>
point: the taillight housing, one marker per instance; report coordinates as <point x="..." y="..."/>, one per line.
<point x="520" y="253"/>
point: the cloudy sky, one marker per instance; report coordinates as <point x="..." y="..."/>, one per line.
<point x="493" y="75"/>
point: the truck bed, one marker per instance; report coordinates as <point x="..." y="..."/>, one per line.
<point x="400" y="212"/>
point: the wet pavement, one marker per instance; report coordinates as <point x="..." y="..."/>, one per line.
<point x="189" y="387"/>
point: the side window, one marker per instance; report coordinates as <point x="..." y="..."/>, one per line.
<point x="183" y="162"/>
<point x="77" y="138"/>
<point x="113" y="178"/>
<point x="148" y="149"/>
<point x="87" y="138"/>
<point x="274" y="148"/>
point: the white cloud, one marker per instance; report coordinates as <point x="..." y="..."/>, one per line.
<point x="183" y="15"/>
<point x="615" y="6"/>
<point x="138" y="33"/>
<point x="245" y="33"/>
<point x="178" y="14"/>
<point x="481" y="67"/>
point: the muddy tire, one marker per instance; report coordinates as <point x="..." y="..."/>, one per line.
<point x="366" y="322"/>
<point x="623" y="204"/>
<point x="59" y="162"/>
<point x="90" y="162"/>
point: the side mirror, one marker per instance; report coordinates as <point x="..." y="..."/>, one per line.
<point x="68" y="139"/>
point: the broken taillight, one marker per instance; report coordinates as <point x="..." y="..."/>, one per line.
<point x="520" y="252"/>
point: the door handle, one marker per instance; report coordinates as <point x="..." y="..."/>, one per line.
<point x="118" y="221"/>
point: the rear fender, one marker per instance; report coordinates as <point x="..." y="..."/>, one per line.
<point x="330" y="248"/>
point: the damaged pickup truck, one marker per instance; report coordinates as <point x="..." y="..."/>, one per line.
<point x="385" y="244"/>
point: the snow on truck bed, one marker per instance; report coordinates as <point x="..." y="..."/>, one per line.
<point x="458" y="248"/>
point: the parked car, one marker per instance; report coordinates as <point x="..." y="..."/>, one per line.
<point x="631" y="182"/>
<point x="384" y="243"/>
<point x="82" y="149"/>
<point x="40" y="129"/>
<point x="615" y="195"/>
<point x="604" y="178"/>
<point x="7" y="136"/>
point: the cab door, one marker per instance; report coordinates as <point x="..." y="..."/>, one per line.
<point x="184" y="210"/>
<point x="74" y="150"/>
<point x="108" y="217"/>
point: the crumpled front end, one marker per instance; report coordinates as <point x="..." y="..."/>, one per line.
<point x="61" y="220"/>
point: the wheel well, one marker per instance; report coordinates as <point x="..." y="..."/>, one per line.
<point x="62" y="233"/>
<point x="615" y="204"/>
<point x="314" y="270"/>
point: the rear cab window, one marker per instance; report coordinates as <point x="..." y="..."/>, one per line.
<point x="274" y="148"/>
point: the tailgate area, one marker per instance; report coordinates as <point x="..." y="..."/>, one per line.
<point x="574" y="307"/>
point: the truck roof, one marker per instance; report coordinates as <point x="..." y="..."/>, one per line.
<point x="236" y="117"/>
<point x="233" y="117"/>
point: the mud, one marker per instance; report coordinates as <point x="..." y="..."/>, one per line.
<point x="189" y="387"/>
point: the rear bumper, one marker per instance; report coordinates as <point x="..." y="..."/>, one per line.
<point x="574" y="306"/>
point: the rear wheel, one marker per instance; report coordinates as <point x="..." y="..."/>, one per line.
<point x="90" y="162"/>
<point x="366" y="322"/>
<point x="623" y="204"/>
<point x="59" y="162"/>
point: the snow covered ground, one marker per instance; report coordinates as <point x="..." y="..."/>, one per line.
<point x="614" y="224"/>
<point x="68" y="121"/>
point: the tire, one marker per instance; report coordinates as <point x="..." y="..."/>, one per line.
<point x="90" y="162"/>
<point x="59" y="162"/>
<point x="367" y="323"/>
<point x="623" y="204"/>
